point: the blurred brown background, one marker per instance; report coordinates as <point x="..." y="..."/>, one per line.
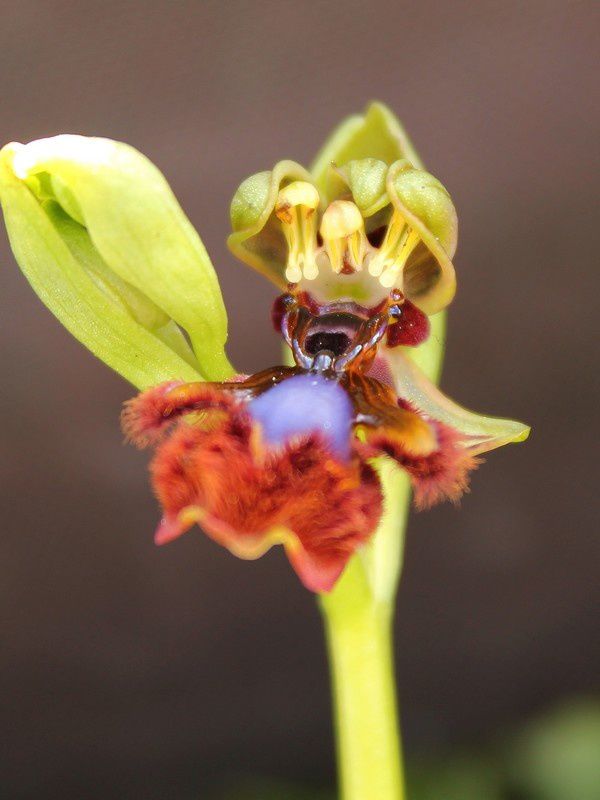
<point x="135" y="672"/>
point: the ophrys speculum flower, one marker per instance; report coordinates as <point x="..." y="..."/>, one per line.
<point x="284" y="456"/>
<point x="361" y="249"/>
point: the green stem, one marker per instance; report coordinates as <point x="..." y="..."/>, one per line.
<point x="365" y="705"/>
<point x="358" y="617"/>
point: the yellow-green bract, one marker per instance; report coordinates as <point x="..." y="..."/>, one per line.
<point x="105" y="245"/>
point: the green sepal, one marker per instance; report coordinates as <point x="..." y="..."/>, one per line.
<point x="375" y="134"/>
<point x="137" y="228"/>
<point x="257" y="238"/>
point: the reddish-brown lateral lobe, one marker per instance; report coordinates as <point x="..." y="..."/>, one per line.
<point x="438" y="476"/>
<point x="410" y="329"/>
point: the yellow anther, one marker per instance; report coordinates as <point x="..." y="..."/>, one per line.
<point x="343" y="232"/>
<point x="293" y="273"/>
<point x="298" y="193"/>
<point x="341" y="219"/>
<point x="390" y="276"/>
<point x="399" y="241"/>
<point x="296" y="206"/>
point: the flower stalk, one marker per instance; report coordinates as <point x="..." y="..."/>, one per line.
<point x="358" y="626"/>
<point x="361" y="661"/>
<point x="358" y="617"/>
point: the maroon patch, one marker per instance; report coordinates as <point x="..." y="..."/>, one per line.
<point x="410" y="329"/>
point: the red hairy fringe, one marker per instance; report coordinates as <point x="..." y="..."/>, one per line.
<point x="146" y="418"/>
<point x="245" y="490"/>
<point x="441" y="475"/>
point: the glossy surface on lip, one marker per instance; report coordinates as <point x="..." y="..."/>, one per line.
<point x="305" y="404"/>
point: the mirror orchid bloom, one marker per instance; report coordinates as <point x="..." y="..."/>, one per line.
<point x="360" y="248"/>
<point x="286" y="456"/>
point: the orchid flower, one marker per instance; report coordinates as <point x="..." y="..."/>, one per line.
<point x="305" y="453"/>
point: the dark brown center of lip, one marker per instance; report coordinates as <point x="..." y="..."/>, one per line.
<point x="335" y="342"/>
